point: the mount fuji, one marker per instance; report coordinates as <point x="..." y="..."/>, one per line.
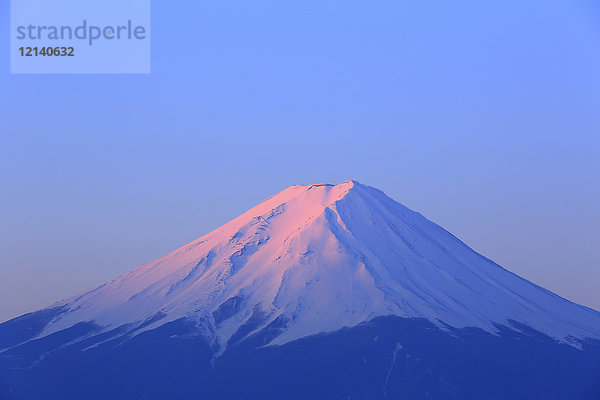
<point x="320" y="291"/>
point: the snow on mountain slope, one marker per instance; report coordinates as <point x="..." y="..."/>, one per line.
<point x="316" y="258"/>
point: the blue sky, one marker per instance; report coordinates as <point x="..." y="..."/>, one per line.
<point x="484" y="117"/>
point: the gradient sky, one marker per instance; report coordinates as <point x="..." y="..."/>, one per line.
<point x="483" y="116"/>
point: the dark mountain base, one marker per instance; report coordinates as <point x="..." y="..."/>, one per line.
<point x="388" y="357"/>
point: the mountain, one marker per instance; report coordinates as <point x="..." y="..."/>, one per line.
<point x="320" y="291"/>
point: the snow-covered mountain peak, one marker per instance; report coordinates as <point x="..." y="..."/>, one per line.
<point x="316" y="258"/>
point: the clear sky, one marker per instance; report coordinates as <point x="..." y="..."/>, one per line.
<point x="483" y="116"/>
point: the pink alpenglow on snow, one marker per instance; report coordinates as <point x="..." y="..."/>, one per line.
<point x="322" y="257"/>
